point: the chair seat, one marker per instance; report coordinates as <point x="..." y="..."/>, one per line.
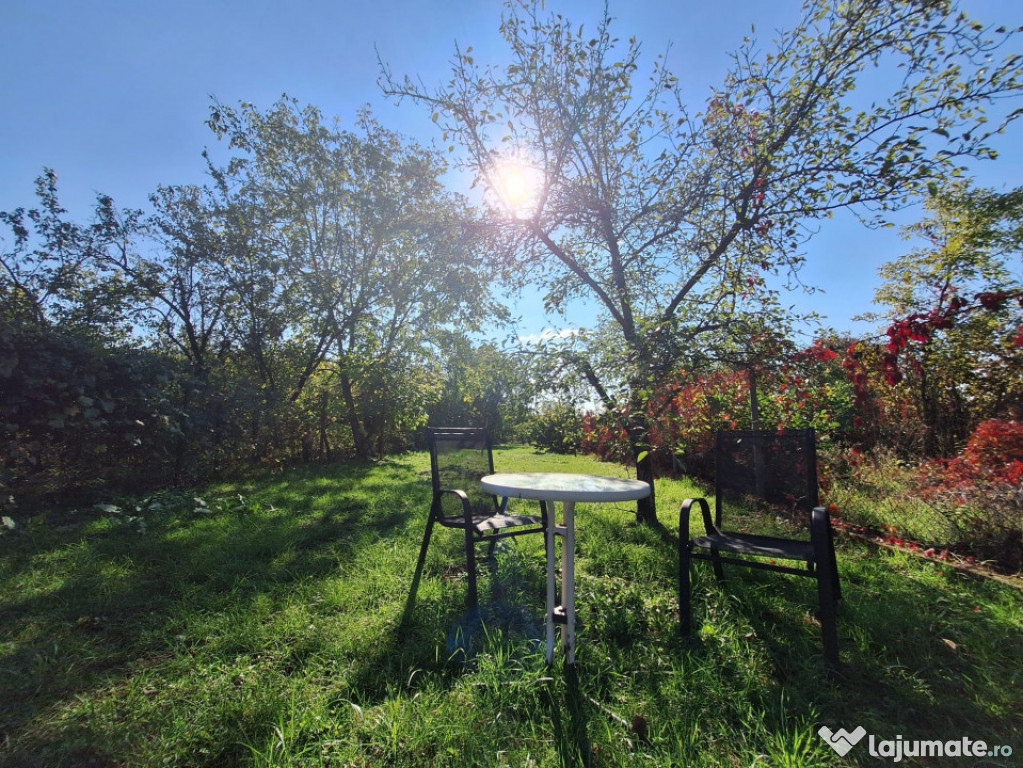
<point x="752" y="544"/>
<point x="483" y="523"/>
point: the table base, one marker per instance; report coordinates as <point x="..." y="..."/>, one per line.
<point x="562" y="613"/>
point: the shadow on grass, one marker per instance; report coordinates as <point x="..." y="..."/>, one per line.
<point x="85" y="610"/>
<point x="572" y="731"/>
<point x="928" y="652"/>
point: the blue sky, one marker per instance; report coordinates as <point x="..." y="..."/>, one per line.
<point x="112" y="94"/>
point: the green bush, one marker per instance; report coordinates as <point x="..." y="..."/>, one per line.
<point x="555" y="428"/>
<point x="78" y="417"/>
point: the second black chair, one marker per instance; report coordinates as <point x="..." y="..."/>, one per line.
<point x="779" y="467"/>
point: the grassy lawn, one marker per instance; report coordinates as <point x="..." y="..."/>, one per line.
<point x="261" y="626"/>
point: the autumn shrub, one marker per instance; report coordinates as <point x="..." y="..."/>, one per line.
<point x="980" y="491"/>
<point x="809" y="388"/>
<point x="682" y="418"/>
<point x="603" y="436"/>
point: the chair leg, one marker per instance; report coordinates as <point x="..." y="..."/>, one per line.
<point x="836" y="589"/>
<point x="719" y="572"/>
<point x="829" y="622"/>
<point x="472" y="598"/>
<point x="827" y="583"/>
<point x="685" y="609"/>
<point x="411" y="601"/>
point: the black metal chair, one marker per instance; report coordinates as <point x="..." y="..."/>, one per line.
<point x="459" y="457"/>
<point x="779" y="467"/>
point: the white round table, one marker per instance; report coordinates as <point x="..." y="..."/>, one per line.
<point x="567" y="488"/>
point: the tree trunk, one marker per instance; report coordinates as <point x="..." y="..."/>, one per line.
<point x="363" y="447"/>
<point x="646" y="509"/>
<point x="324" y="450"/>
<point x="754" y="402"/>
<point x="638" y="431"/>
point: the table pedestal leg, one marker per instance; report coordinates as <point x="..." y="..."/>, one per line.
<point x="552" y="559"/>
<point x="568" y="582"/>
<point x="566" y="614"/>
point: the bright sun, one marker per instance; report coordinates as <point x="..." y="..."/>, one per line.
<point x="518" y="185"/>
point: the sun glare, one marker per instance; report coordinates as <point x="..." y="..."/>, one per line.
<point x="518" y="185"/>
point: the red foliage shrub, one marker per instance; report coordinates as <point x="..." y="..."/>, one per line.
<point x="921" y="326"/>
<point x="994" y="453"/>
<point x="995" y="445"/>
<point x="981" y="490"/>
<point x="682" y="418"/>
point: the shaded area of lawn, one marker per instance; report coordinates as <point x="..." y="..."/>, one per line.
<point x="107" y="614"/>
<point x="263" y="629"/>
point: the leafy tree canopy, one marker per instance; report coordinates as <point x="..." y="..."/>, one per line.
<point x="670" y="217"/>
<point x="348" y="243"/>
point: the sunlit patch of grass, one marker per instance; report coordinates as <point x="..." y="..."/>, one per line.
<point x="879" y="491"/>
<point x="263" y="628"/>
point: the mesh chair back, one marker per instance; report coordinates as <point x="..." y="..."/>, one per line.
<point x="459" y="457"/>
<point x="779" y="467"/>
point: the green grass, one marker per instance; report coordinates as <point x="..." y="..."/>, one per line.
<point x="263" y="629"/>
<point x="879" y="491"/>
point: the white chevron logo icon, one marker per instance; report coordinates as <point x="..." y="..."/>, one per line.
<point x="841" y="740"/>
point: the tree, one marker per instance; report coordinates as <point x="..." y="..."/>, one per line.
<point x="671" y="221"/>
<point x="189" y="285"/>
<point x="57" y="272"/>
<point x="483" y="386"/>
<point x="953" y="309"/>
<point x="350" y="253"/>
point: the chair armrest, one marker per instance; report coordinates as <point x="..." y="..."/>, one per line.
<point x="466" y="507"/>
<point x="820" y="522"/>
<point x="820" y="533"/>
<point x="683" y="517"/>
